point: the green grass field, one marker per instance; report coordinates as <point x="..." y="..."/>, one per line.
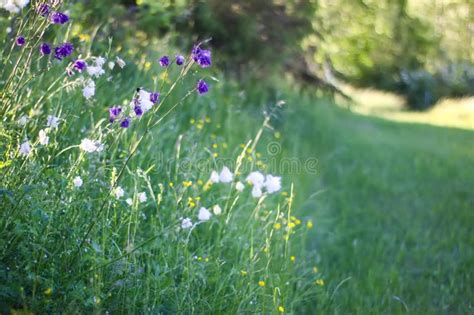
<point x="395" y="211"/>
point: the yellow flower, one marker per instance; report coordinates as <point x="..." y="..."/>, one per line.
<point x="243" y="272"/>
<point x="281" y="309"/>
<point x="199" y="126"/>
<point x="249" y="150"/>
<point x="215" y="145"/>
<point x="258" y="155"/>
<point x="208" y="120"/>
<point x="199" y="258"/>
<point x="171" y="184"/>
<point x="215" y="154"/>
<point x="309" y="224"/>
<point x="277" y="226"/>
<point x="187" y="183"/>
<point x="48" y="291"/>
<point x="192" y="121"/>
<point x="315" y="269"/>
<point x="200" y="182"/>
<point x="297" y="221"/>
<point x="261" y="283"/>
<point x="291" y="225"/>
<point x="320" y="282"/>
<point x="147" y="65"/>
<point x="284" y="194"/>
<point x="265" y="249"/>
<point x="84" y="37"/>
<point x="207" y="259"/>
<point x="292" y="258"/>
<point x="277" y="135"/>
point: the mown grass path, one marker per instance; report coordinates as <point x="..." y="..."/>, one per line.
<point x="395" y="213"/>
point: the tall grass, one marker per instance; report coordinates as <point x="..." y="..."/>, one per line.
<point x="71" y="241"/>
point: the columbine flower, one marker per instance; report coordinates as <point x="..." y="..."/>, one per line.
<point x="43" y="137"/>
<point x="214" y="177"/>
<point x="217" y="210"/>
<point x="100" y="61"/>
<point x="142" y="103"/>
<point x="239" y="187"/>
<point x="45" y="49"/>
<point x="52" y="121"/>
<point x="118" y="192"/>
<point x="120" y="62"/>
<point x="202" y="87"/>
<point x="142" y="197"/>
<point x="114" y="112"/>
<point x="111" y="65"/>
<point x="129" y="201"/>
<point x="272" y="184"/>
<point x="154" y="97"/>
<point x="20" y="41"/>
<point x="202" y="57"/>
<point x="179" y="60"/>
<point x="89" y="89"/>
<point x="256" y="191"/>
<point x="43" y="9"/>
<point x="91" y="146"/>
<point x="62" y="51"/>
<point x="58" y="18"/>
<point x="125" y="123"/>
<point x="138" y="110"/>
<point x="256" y="179"/>
<point x="80" y="65"/>
<point x="186" y="223"/>
<point x="77" y="181"/>
<point x="164" y="61"/>
<point x="226" y="175"/>
<point x="204" y="214"/>
<point x="23" y="120"/>
<point x="25" y="148"/>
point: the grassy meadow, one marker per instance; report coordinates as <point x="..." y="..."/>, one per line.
<point x="372" y="216"/>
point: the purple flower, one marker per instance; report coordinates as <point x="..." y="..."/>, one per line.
<point x="114" y="112"/>
<point x="63" y="51"/>
<point x="164" y="61"/>
<point x="20" y="41"/>
<point x="43" y="9"/>
<point x="45" y="49"/>
<point x="202" y="87"/>
<point x="138" y="110"/>
<point x="154" y="97"/>
<point x="80" y="65"/>
<point x="125" y="123"/>
<point x="202" y="57"/>
<point x="179" y="60"/>
<point x="58" y="18"/>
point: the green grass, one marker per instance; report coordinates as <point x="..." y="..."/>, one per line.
<point x="395" y="212"/>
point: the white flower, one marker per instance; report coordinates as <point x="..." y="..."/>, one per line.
<point x="120" y="62"/>
<point x="129" y="201"/>
<point x="43" y="137"/>
<point x="239" y="186"/>
<point x="226" y="175"/>
<point x="118" y="192"/>
<point x="214" y="177"/>
<point x="186" y="223"/>
<point x="256" y="191"/>
<point x="95" y="71"/>
<point x="52" y="121"/>
<point x="91" y="146"/>
<point x="25" y="148"/>
<point x="89" y="89"/>
<point x="9" y="30"/>
<point x="111" y="65"/>
<point x="13" y="6"/>
<point x="217" y="210"/>
<point x="204" y="214"/>
<point x="256" y="179"/>
<point x="23" y="120"/>
<point x="100" y="61"/>
<point x="272" y="183"/>
<point x="142" y="197"/>
<point x="77" y="181"/>
<point x="144" y="100"/>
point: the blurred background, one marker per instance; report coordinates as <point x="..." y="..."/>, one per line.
<point x="419" y="50"/>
